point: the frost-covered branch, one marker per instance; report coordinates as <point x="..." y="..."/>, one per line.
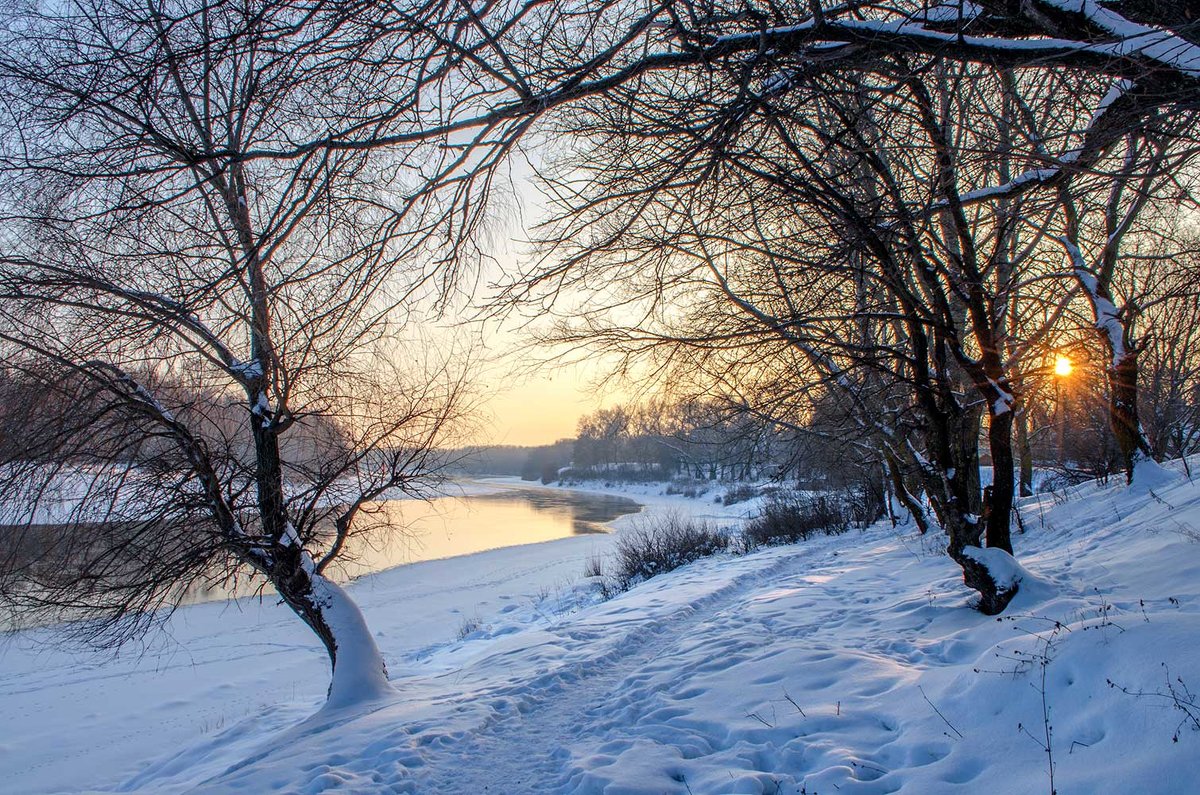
<point x="1107" y="318"/>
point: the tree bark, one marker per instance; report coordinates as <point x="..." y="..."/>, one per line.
<point x="1123" y="412"/>
<point x="993" y="597"/>
<point x="1025" y="453"/>
<point x="952" y="441"/>
<point x="359" y="671"/>
<point x="906" y="498"/>
<point x="999" y="509"/>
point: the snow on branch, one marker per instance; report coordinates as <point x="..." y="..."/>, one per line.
<point x="1134" y="48"/>
<point x="834" y="36"/>
<point x="1134" y="39"/>
<point x="1074" y="159"/>
<point x="1107" y="318"/>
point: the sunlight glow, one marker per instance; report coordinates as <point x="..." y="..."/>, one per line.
<point x="1062" y="366"/>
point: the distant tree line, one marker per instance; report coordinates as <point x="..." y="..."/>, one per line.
<point x="663" y="439"/>
<point x="536" y="462"/>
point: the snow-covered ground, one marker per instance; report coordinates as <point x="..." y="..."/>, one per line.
<point x="848" y="664"/>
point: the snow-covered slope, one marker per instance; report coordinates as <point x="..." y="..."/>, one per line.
<point x="849" y="664"/>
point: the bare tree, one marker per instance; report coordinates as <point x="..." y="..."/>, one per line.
<point x="1162" y="281"/>
<point x="1097" y="234"/>
<point x="192" y="308"/>
<point x="245" y="193"/>
<point x="841" y="231"/>
<point x="533" y="59"/>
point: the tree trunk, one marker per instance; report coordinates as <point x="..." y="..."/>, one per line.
<point x="359" y="671"/>
<point x="1025" y="453"/>
<point x="965" y="458"/>
<point x="906" y="498"/>
<point x="993" y="596"/>
<point x="965" y="533"/>
<point x="1123" y="411"/>
<point x="999" y="508"/>
<point x="889" y="497"/>
<point x="955" y="448"/>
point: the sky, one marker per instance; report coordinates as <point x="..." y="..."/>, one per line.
<point x="533" y="395"/>
<point x="540" y="408"/>
<point x="529" y="396"/>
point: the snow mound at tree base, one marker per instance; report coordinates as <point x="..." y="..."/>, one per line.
<point x="1009" y="576"/>
<point x="1150" y="475"/>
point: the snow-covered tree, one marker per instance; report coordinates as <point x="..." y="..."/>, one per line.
<point x="152" y="239"/>
<point x="951" y="231"/>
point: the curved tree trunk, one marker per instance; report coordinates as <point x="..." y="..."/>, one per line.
<point x="900" y="489"/>
<point x="359" y="671"/>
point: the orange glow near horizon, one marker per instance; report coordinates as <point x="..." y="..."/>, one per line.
<point x="540" y="411"/>
<point x="1062" y="366"/>
<point x="530" y="407"/>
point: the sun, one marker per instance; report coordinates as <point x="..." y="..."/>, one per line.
<point x="1062" y="365"/>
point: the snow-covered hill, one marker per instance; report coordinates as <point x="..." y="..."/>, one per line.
<point x="846" y="665"/>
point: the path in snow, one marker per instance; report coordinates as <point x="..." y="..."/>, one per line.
<point x="505" y="719"/>
<point x="526" y="752"/>
<point x="643" y="679"/>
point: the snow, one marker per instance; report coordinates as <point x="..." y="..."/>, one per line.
<point x="247" y="371"/>
<point x="359" y="675"/>
<point x="1107" y="319"/>
<point x="1149" y="475"/>
<point x="1118" y="89"/>
<point x="846" y="664"/>
<point x="1004" y="400"/>
<point x="1134" y="39"/>
<point x="1129" y="39"/>
<point x="1034" y="175"/>
<point x="1004" y="569"/>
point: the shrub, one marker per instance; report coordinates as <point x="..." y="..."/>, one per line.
<point x="740" y="493"/>
<point x="661" y="545"/>
<point x="469" y="626"/>
<point x="788" y="517"/>
<point x="593" y="566"/>
<point x="687" y="488"/>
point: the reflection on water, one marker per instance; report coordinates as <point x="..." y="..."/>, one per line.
<point x="409" y="531"/>
<point x="450" y="526"/>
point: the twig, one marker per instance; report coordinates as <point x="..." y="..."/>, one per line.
<point x="939" y="713"/>
<point x="1181" y="698"/>
<point x="760" y="719"/>
<point x="794" y="704"/>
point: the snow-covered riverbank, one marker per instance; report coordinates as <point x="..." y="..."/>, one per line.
<point x="72" y="720"/>
<point x="849" y="664"/>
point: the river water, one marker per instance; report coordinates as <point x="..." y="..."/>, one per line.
<point x="410" y="531"/>
<point x="460" y="525"/>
